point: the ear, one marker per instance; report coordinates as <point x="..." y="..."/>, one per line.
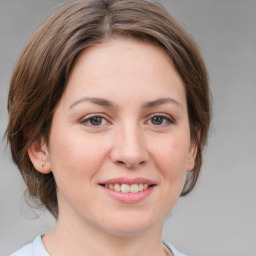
<point x="193" y="150"/>
<point x="39" y="156"/>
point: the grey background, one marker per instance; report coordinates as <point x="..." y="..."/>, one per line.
<point x="219" y="216"/>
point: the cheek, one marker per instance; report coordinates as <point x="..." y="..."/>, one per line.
<point x="73" y="155"/>
<point x="171" y="157"/>
<point x="75" y="160"/>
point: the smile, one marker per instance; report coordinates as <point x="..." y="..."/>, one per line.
<point x="126" y="188"/>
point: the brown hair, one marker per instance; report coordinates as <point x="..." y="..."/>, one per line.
<point x="41" y="73"/>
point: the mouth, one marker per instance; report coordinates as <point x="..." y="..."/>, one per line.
<point x="128" y="188"/>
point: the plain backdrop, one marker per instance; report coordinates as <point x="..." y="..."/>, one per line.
<point x="219" y="216"/>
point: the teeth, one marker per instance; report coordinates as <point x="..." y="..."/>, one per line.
<point x="125" y="188"/>
<point x="145" y="186"/>
<point x="117" y="187"/>
<point x="141" y="186"/>
<point x="134" y="188"/>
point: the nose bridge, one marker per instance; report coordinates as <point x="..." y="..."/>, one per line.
<point x="129" y="145"/>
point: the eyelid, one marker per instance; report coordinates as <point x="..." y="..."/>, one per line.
<point x="168" y="117"/>
<point x="107" y="119"/>
<point x="86" y="118"/>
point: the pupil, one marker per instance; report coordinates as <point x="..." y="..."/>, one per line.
<point x="96" y="120"/>
<point x="157" y="120"/>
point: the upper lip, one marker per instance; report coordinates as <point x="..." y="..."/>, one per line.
<point x="129" y="181"/>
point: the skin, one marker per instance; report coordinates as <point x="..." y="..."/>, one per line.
<point x="125" y="142"/>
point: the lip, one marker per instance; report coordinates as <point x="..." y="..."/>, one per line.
<point x="128" y="197"/>
<point x="124" y="180"/>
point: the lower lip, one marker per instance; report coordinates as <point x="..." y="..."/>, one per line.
<point x="129" y="197"/>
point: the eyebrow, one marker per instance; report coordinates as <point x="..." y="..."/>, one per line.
<point x="97" y="101"/>
<point x="161" y="101"/>
<point x="107" y="103"/>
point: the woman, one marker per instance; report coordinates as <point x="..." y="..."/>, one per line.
<point x="108" y="116"/>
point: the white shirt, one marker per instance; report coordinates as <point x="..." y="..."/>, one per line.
<point x="36" y="248"/>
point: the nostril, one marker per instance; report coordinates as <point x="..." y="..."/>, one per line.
<point x="120" y="162"/>
<point x="128" y="157"/>
<point x="129" y="164"/>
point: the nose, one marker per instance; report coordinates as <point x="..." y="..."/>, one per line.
<point x="129" y="147"/>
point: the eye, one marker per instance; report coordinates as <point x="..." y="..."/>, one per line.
<point x="160" y="120"/>
<point x="157" y="120"/>
<point x="94" y="121"/>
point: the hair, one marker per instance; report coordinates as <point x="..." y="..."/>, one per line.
<point x="41" y="74"/>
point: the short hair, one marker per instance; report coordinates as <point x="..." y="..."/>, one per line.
<point x="41" y="74"/>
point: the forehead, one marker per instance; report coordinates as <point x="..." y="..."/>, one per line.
<point x="125" y="66"/>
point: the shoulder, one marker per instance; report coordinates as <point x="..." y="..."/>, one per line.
<point x="36" y="248"/>
<point x="174" y="251"/>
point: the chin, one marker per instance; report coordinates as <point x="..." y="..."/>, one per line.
<point x="130" y="225"/>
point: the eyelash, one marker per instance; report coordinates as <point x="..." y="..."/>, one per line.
<point x="88" y="120"/>
<point x="167" y="119"/>
<point x="163" y="118"/>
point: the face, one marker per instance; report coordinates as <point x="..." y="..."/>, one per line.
<point x="121" y="124"/>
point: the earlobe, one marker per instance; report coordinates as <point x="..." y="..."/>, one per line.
<point x="38" y="154"/>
